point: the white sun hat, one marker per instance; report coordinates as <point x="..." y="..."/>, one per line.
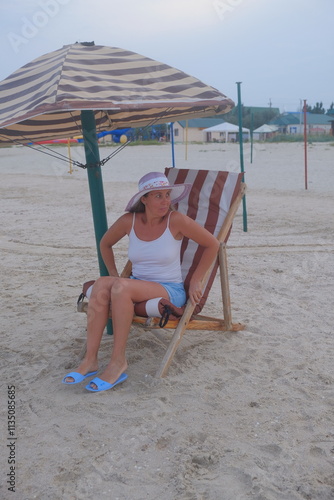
<point x="157" y="181"/>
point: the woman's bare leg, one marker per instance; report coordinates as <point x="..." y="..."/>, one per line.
<point x="124" y="294"/>
<point x="122" y="313"/>
<point x="121" y="293"/>
<point x="97" y="317"/>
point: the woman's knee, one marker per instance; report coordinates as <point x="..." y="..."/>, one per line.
<point x="111" y="287"/>
<point x="119" y="288"/>
<point x="103" y="283"/>
<point x="101" y="291"/>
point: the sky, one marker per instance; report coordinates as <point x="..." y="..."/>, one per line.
<point x="281" y="50"/>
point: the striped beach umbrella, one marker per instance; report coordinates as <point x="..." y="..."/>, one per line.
<point x="44" y="99"/>
<point x="85" y="88"/>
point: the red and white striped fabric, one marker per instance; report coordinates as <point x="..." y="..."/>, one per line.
<point x="208" y="203"/>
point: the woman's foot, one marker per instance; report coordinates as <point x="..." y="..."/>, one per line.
<point x="99" y="385"/>
<point x="86" y="367"/>
<point x="112" y="373"/>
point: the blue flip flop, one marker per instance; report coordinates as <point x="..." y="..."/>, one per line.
<point x="78" y="377"/>
<point x="102" y="385"/>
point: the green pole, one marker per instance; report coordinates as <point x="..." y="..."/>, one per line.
<point x="241" y="155"/>
<point x="95" y="185"/>
<point x="251" y="135"/>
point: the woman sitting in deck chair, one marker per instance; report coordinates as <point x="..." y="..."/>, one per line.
<point x="155" y="234"/>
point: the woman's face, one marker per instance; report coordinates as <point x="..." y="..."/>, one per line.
<point x="157" y="201"/>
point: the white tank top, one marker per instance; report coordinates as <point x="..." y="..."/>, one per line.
<point x="156" y="260"/>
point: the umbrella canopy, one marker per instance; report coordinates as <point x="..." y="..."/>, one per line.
<point x="44" y="99"/>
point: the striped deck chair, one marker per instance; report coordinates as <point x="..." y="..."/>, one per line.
<point x="213" y="202"/>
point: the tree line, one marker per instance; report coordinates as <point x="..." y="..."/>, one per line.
<point x="319" y="108"/>
<point x="251" y="118"/>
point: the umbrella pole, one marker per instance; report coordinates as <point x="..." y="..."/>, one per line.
<point x="95" y="186"/>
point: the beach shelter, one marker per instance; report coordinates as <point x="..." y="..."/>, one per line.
<point x="225" y="128"/>
<point x="265" y="131"/>
<point x="85" y="88"/>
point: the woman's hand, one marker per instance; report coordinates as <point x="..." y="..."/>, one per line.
<point x="195" y="291"/>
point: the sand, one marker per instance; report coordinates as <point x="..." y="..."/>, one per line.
<point x="245" y="415"/>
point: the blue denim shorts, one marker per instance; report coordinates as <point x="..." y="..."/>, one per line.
<point x="176" y="292"/>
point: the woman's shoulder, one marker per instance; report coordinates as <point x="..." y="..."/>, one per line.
<point x="175" y="215"/>
<point x="124" y="221"/>
<point x="178" y="217"/>
<point x="177" y="223"/>
<point x="128" y="216"/>
<point x="127" y="220"/>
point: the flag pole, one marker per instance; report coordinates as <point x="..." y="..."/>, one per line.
<point x="305" y="144"/>
<point x="172" y="142"/>
<point x="186" y="149"/>
<point x="251" y="135"/>
<point x="241" y="155"/>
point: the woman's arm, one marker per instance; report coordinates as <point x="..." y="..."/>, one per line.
<point x="114" y="234"/>
<point x="186" y="226"/>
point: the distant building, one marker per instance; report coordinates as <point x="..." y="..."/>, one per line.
<point x="330" y="114"/>
<point x="225" y="132"/>
<point x="192" y="130"/>
<point x="293" y="123"/>
<point x="265" y="132"/>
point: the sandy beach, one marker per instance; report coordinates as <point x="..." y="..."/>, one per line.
<point x="246" y="415"/>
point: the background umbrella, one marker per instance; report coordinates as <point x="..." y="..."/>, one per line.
<point x="84" y="89"/>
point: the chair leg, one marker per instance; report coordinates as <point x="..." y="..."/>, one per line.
<point x="175" y="341"/>
<point x="225" y="286"/>
<point x="182" y="326"/>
